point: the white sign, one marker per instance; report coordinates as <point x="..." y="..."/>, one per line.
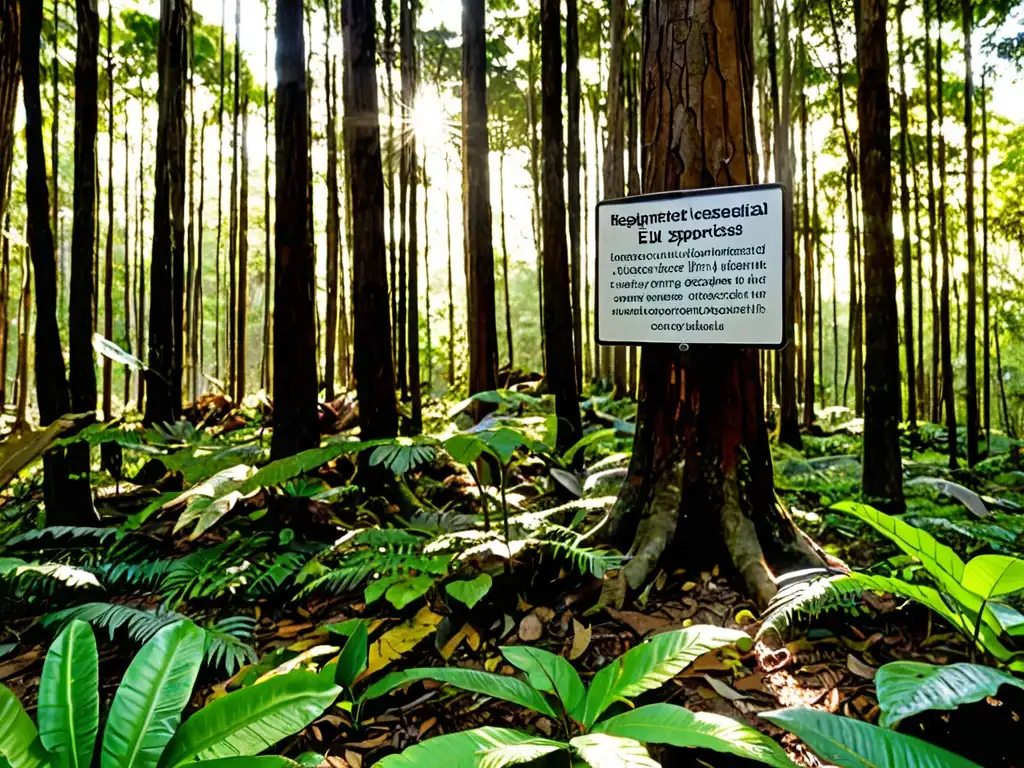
<point x="695" y="267"/>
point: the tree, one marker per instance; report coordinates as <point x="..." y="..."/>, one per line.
<point x="882" y="476"/>
<point x="700" y="473"/>
<point x="908" y="268"/>
<point x="973" y="427"/>
<point x="615" y="145"/>
<point x="476" y="205"/>
<point x="572" y="90"/>
<point x="410" y="83"/>
<point x="295" y="369"/>
<point x="65" y="503"/>
<point x="332" y="213"/>
<point x="10" y="77"/>
<point x="374" y="370"/>
<point x="948" y="395"/>
<point x="108" y="260"/>
<point x="560" y="363"/>
<point x="242" y="307"/>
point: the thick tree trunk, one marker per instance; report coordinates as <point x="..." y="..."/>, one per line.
<point x="389" y="149"/>
<point x="560" y="364"/>
<point x="55" y="149"/>
<point x="233" y="233"/>
<point x="374" y="372"/>
<point x="973" y="426"/>
<point x="572" y="159"/>
<point x="332" y="215"/>
<point x="295" y="378"/>
<point x="908" y="266"/>
<point x="476" y="202"/>
<point x="700" y="478"/>
<point x="948" y="395"/>
<point x="66" y="504"/>
<point x="81" y="360"/>
<point x="883" y="471"/>
<point x="108" y="260"/>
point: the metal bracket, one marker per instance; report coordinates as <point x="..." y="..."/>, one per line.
<point x="684" y="347"/>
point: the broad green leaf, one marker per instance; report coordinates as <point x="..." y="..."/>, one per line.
<point x="465" y="449"/>
<point x="107" y="348"/>
<point x="503" y="443"/>
<point x="282" y="470"/>
<point x="907" y="688"/>
<point x="470" y="591"/>
<point x="498" y="686"/>
<point x="594" y="437"/>
<point x="266" y="761"/>
<point x="480" y="748"/>
<point x="601" y="750"/>
<point x="651" y="664"/>
<point x="155" y="689"/>
<point x="409" y="589"/>
<point x="670" y="724"/>
<point x="994" y="575"/>
<point x="548" y="673"/>
<point x="403" y="455"/>
<point x="249" y="720"/>
<point x="354" y="657"/>
<point x="19" y="740"/>
<point x="850" y="743"/>
<point x="69" y="699"/>
<point x="376" y="589"/>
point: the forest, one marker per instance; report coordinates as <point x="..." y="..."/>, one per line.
<point x="318" y="448"/>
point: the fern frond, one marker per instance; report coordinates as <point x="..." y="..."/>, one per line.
<point x="596" y="562"/>
<point x="809" y="594"/>
<point x="23" y="579"/>
<point x="66" y="535"/>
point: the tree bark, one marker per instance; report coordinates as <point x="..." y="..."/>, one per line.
<point x="973" y="426"/>
<point x="265" y="372"/>
<point x="55" y="147"/>
<point x="81" y="360"/>
<point x="560" y="364"/>
<point x="908" y="265"/>
<point x="587" y="342"/>
<point x="572" y="159"/>
<point x="389" y="66"/>
<point x="933" y="241"/>
<point x="140" y="267"/>
<point x="504" y="264"/>
<point x="373" y="368"/>
<point x="410" y="78"/>
<point x="948" y="396"/>
<point x="332" y="215"/>
<point x="700" y="474"/>
<point x="986" y="378"/>
<point x="476" y="202"/>
<point x="233" y="234"/>
<point x="10" y="80"/>
<point x="198" y="316"/>
<point x="809" y="301"/>
<point x="633" y="181"/>
<point x="66" y="504"/>
<point x="243" y="258"/>
<point x="295" y="378"/>
<point x="220" y="196"/>
<point x="108" y="260"/>
<point x="127" y="290"/>
<point x="883" y="471"/>
<point x="535" y="173"/>
<point x="614" y="172"/>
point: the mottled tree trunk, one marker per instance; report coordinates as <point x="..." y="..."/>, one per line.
<point x="373" y="368"/>
<point x="700" y="479"/>
<point x="973" y="425"/>
<point x="476" y="211"/>
<point x="81" y="360"/>
<point x="908" y="265"/>
<point x="10" y="81"/>
<point x="560" y="364"/>
<point x="883" y="471"/>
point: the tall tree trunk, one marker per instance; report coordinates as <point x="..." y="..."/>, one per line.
<point x="476" y="207"/>
<point x="108" y="260"/>
<point x="389" y="67"/>
<point x="241" y="322"/>
<point x="66" y="503"/>
<point x="809" y="301"/>
<point x="701" y="469"/>
<point x="986" y="402"/>
<point x="55" y="149"/>
<point x="81" y="360"/>
<point x="451" y="298"/>
<point x="973" y="426"/>
<point x="908" y="266"/>
<point x="164" y="401"/>
<point x="560" y="365"/>
<point x="403" y="209"/>
<point x="426" y="272"/>
<point x="883" y="471"/>
<point x="789" y="428"/>
<point x="191" y="390"/>
<point x="198" y="316"/>
<point x="295" y="385"/>
<point x="633" y="182"/>
<point x="5" y="284"/>
<point x="10" y="81"/>
<point x="410" y="77"/>
<point x="140" y="267"/>
<point x="374" y="372"/>
<point x="933" y="241"/>
<point x="332" y="214"/>
<point x="504" y="264"/>
<point x="819" y="292"/>
<point x="265" y="372"/>
<point x="345" y="320"/>
<point x="602" y="353"/>
<point x="1007" y="427"/>
<point x="24" y="320"/>
<point x="531" y="116"/>
<point x="572" y="159"/>
<point x="922" y="378"/>
<point x="220" y="195"/>
<point x="948" y="396"/>
<point x="614" y="172"/>
<point x="127" y="338"/>
<point x="587" y="343"/>
<point x="233" y="233"/>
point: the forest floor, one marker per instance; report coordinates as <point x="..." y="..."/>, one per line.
<point x="276" y="565"/>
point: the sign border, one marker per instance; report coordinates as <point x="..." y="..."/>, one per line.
<point x="682" y="193"/>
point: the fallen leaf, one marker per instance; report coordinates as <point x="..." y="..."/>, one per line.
<point x="580" y="640"/>
<point x="400" y="640"/>
<point x="659" y="582"/>
<point x="18" y="663"/>
<point x="354" y="759"/>
<point x="426" y="725"/>
<point x="371" y="743"/>
<point x="641" y="623"/>
<point x="530" y="629"/>
<point x="690" y="585"/>
<point x="723" y="690"/>
<point x="472" y="637"/>
<point x="754" y="682"/>
<point x="455" y="641"/>
<point x="290" y="630"/>
<point x="544" y="613"/>
<point x="859" y="668"/>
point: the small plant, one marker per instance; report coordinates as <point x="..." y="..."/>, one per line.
<point x="556" y="690"/>
<point x="143" y="728"/>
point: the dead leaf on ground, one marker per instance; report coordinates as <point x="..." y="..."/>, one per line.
<point x="641" y="623"/>
<point x="401" y="639"/>
<point x="724" y="690"/>
<point x="354" y="759"/>
<point x="580" y="640"/>
<point x="18" y="663"/>
<point x="530" y="629"/>
<point x="859" y="668"/>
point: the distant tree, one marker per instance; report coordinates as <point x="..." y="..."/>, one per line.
<point x="295" y="367"/>
<point x="10" y="81"/>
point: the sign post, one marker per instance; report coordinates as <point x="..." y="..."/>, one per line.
<point x="693" y="268"/>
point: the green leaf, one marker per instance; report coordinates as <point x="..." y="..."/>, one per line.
<point x="601" y="750"/>
<point x="249" y="720"/>
<point x="402" y="456"/>
<point x="69" y="699"/>
<point x="465" y="449"/>
<point x="470" y="591"/>
<point x="503" y="443"/>
<point x="651" y="664"/>
<point x="376" y="589"/>
<point x="266" y="761"/>
<point x="147" y="706"/>
<point x="107" y="348"/>
<point x="19" y="740"/>
<point x="480" y="748"/>
<point x="409" y="589"/>
<point x="850" y="743"/>
<point x="598" y="435"/>
<point x="548" y="673"/>
<point x="907" y="688"/>
<point x="994" y="575"/>
<point x="354" y="657"/>
<point x="669" y="724"/>
<point x="498" y="686"/>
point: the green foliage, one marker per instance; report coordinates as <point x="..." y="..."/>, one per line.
<point x="850" y="743"/>
<point x="907" y="688"/>
<point x="485" y="747"/>
<point x="809" y="599"/>
<point x="469" y="592"/>
<point x="69" y="702"/>
<point x="404" y="455"/>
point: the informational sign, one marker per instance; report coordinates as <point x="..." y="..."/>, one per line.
<point x="701" y="267"/>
